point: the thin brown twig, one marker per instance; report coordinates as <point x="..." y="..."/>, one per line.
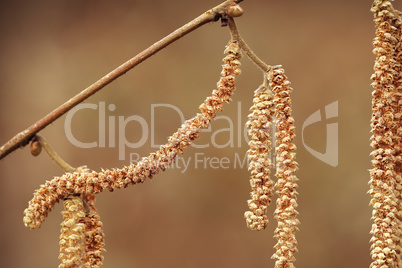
<point x="52" y="153"/>
<point x="247" y="50"/>
<point x="23" y="138"/>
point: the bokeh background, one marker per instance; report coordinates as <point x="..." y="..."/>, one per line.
<point x="51" y="50"/>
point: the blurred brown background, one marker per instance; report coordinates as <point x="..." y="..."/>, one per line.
<point x="51" y="50"/>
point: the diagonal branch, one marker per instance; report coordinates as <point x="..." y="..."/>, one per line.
<point x="23" y="138"/>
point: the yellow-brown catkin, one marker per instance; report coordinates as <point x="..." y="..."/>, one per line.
<point x="259" y="129"/>
<point x="94" y="244"/>
<point x="398" y="119"/>
<point x="286" y="166"/>
<point x="95" y="182"/>
<point x="72" y="233"/>
<point x="385" y="176"/>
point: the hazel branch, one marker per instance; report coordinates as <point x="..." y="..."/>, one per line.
<point x="23" y="138"/>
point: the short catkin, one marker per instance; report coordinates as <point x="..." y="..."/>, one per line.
<point x="259" y="129"/>
<point x="72" y="233"/>
<point x="94" y="237"/>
